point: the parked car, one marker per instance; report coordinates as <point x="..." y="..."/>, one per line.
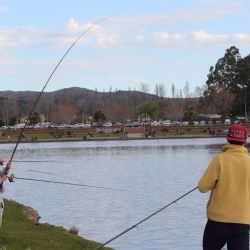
<point x="166" y="123"/>
<point x="155" y="124"/>
<point x="107" y="124"/>
<point x="184" y="123"/>
<point x="176" y="122"/>
<point x="4" y="127"/>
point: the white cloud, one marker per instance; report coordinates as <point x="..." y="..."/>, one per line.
<point x="163" y="37"/>
<point x="204" y="37"/>
<point x="193" y="15"/>
<point x="96" y="33"/>
<point x="147" y="30"/>
<point x="240" y="37"/>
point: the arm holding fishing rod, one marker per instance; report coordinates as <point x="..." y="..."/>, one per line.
<point x="3" y="177"/>
<point x="4" y="173"/>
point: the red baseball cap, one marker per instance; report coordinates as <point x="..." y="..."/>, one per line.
<point x="237" y="132"/>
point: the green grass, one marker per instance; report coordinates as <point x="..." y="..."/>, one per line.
<point x="18" y="232"/>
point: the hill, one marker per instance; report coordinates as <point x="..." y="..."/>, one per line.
<point x="76" y="104"/>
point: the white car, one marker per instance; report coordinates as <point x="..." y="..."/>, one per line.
<point x="166" y="123"/>
<point x="155" y="124"/>
<point x="107" y="124"/>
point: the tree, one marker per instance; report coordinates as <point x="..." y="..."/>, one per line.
<point x="160" y="90"/>
<point x="224" y="80"/>
<point x="174" y="109"/>
<point x="189" y="113"/>
<point x="186" y="90"/>
<point x="218" y="100"/>
<point x="199" y="91"/>
<point x="34" y="118"/>
<point x="144" y="87"/>
<point x="99" y="116"/>
<point x="155" y="110"/>
<point x="64" y="113"/>
<point x="225" y="72"/>
<point x="244" y="83"/>
<point x="173" y="90"/>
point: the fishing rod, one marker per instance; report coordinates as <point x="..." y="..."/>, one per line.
<point x="143" y="220"/>
<point x="12" y="177"/>
<point x="8" y="166"/>
<point x="33" y="161"/>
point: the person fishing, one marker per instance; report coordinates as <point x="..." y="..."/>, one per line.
<point x="228" y="208"/>
<point x="3" y="178"/>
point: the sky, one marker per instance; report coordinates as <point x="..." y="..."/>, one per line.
<point x="141" y="41"/>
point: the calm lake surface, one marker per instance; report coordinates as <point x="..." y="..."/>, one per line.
<point x="150" y="174"/>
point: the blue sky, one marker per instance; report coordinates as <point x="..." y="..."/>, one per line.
<point x="150" y="42"/>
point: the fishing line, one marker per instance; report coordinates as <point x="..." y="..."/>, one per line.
<point x="36" y="171"/>
<point x="7" y="168"/>
<point x="12" y="177"/>
<point x="33" y="161"/>
<point x="143" y="220"/>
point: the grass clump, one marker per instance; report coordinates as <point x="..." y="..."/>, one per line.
<point x="20" y="231"/>
<point x="74" y="230"/>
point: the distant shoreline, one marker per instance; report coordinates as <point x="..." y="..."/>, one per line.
<point x="112" y="139"/>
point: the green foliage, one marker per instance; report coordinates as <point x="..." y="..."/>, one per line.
<point x="154" y="110"/>
<point x="225" y="72"/>
<point x="99" y="116"/>
<point x="227" y="83"/>
<point x="34" y="118"/>
<point x="189" y="113"/>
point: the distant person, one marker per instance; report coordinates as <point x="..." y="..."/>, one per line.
<point x="3" y="178"/>
<point x="228" y="209"/>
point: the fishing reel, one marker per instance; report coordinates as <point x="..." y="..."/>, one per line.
<point x="11" y="178"/>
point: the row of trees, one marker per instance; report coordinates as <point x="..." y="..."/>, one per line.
<point x="160" y="90"/>
<point x="226" y="92"/>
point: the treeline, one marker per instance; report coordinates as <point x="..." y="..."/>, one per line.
<point x="226" y="92"/>
<point x="71" y="105"/>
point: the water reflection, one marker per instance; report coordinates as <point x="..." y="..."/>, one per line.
<point x="152" y="173"/>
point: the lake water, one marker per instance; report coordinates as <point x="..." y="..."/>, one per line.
<point x="149" y="174"/>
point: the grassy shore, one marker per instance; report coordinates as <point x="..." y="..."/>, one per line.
<point x="20" y="231"/>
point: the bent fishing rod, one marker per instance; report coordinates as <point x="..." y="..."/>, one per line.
<point x="145" y="219"/>
<point x="8" y="166"/>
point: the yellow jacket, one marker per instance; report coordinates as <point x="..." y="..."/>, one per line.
<point x="228" y="178"/>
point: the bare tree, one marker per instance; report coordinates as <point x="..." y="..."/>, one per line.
<point x="199" y="91"/>
<point x="173" y="90"/>
<point x="186" y="90"/>
<point x="144" y="87"/>
<point x="160" y="89"/>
